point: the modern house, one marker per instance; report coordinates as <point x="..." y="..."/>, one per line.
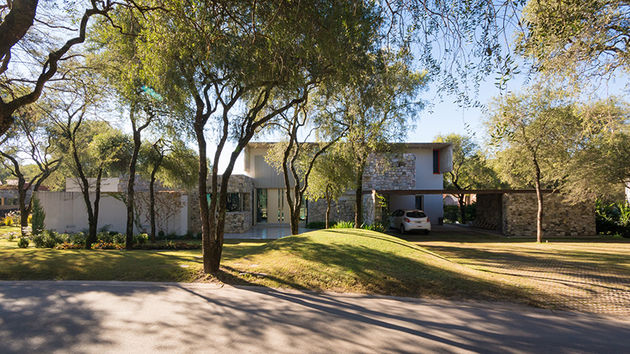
<point x="9" y="195"/>
<point x="259" y="197"/>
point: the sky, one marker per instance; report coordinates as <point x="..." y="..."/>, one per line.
<point x="441" y="116"/>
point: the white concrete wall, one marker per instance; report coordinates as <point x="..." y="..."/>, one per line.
<point x="107" y="184"/>
<point x="425" y="178"/>
<point x="66" y="212"/>
<point x="433" y="205"/>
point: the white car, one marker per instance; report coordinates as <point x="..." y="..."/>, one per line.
<point x="407" y="220"/>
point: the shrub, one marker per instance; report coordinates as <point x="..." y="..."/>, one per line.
<point x="343" y="225"/>
<point x="68" y="246"/>
<point x="7" y="220"/>
<point x="612" y="218"/>
<point x="119" y="238"/>
<point x="47" y="239"/>
<point x="161" y="235"/>
<point x="107" y="246"/>
<point x="374" y="227"/>
<point x="76" y="239"/>
<point x="37" y="217"/>
<point x="104" y="236"/>
<point x="169" y="245"/>
<point x="12" y="236"/>
<point x="452" y="213"/>
<point x="23" y="242"/>
<point x="141" y="239"/>
<point x="316" y="225"/>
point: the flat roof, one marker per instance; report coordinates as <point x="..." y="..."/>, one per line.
<point x="454" y="191"/>
<point x="409" y="145"/>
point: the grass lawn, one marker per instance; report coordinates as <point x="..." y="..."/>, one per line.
<point x="567" y="275"/>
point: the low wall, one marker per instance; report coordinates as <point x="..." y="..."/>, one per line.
<point x="559" y="218"/>
<point x="66" y="212"/>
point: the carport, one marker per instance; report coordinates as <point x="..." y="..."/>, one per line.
<point x="511" y="212"/>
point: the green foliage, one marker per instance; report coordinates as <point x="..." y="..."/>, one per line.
<point x="316" y="225"/>
<point x="38" y="217"/>
<point x="452" y="213"/>
<point x="580" y="40"/>
<point x="612" y="218"/>
<point x="470" y="170"/>
<point x="7" y="220"/>
<point x="23" y="242"/>
<point x="332" y="175"/>
<point x="141" y="239"/>
<point x="110" y="237"/>
<point x="343" y="225"/>
<point x="48" y="239"/>
<point x="530" y="136"/>
<point x="379" y="227"/>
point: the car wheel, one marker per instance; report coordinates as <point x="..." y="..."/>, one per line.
<point x="402" y="229"/>
<point x="426" y="232"/>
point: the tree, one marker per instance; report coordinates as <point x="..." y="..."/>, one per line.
<point x="30" y="141"/>
<point x="94" y="147"/>
<point x="170" y="162"/>
<point x="530" y="134"/>
<point x="599" y="152"/>
<point x="470" y="169"/>
<point x="580" y="39"/>
<point x="295" y="159"/>
<point x="40" y="52"/>
<point x="258" y="60"/>
<point x="375" y="109"/>
<point x="331" y="177"/>
<point x="119" y="63"/>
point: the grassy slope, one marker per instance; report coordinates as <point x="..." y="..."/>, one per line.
<point x="344" y="260"/>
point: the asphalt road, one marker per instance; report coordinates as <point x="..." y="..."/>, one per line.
<point x="96" y="317"/>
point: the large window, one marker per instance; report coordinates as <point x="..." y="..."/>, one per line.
<point x="261" y="205"/>
<point x="436" y="161"/>
<point x="233" y="202"/>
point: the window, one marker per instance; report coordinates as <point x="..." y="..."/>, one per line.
<point x="233" y="202"/>
<point x="261" y="205"/>
<point x="420" y="202"/>
<point x="280" y="205"/>
<point x="436" y="161"/>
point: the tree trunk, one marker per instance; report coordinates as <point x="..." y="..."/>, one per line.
<point x="92" y="209"/>
<point x="130" y="189"/>
<point x="206" y="243"/>
<point x="358" y="195"/>
<point x="22" y="204"/>
<point x="15" y="25"/>
<point x="462" y="207"/>
<point x="539" y="213"/>
<point x="97" y="200"/>
<point x="328" y="202"/>
<point x="152" y="203"/>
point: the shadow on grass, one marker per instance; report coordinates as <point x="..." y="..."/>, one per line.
<point x="50" y="264"/>
<point x="357" y="267"/>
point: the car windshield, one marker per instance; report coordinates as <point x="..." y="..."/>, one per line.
<point x="415" y="214"/>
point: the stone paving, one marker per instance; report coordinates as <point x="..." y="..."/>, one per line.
<point x="580" y="276"/>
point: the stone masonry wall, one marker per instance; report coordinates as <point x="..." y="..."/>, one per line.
<point x="392" y="171"/>
<point x="343" y="210"/>
<point x="559" y="219"/>
<point x="235" y="221"/>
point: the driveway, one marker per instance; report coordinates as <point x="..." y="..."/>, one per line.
<point x="68" y="316"/>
